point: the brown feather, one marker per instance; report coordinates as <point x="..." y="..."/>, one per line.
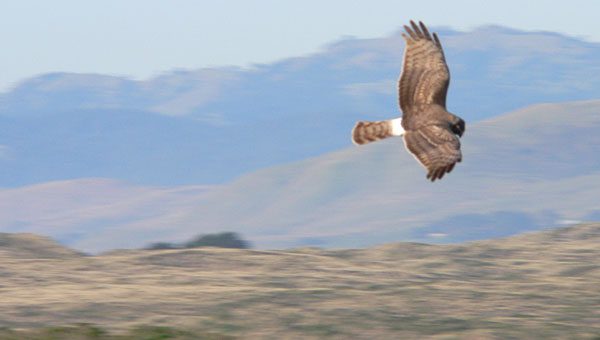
<point x="436" y="148"/>
<point x="367" y="132"/>
<point x="425" y="76"/>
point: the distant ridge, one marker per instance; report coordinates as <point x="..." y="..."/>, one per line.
<point x="32" y="246"/>
<point x="526" y="170"/>
<point x="167" y="130"/>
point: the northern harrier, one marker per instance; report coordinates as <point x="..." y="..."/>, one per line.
<point x="430" y="132"/>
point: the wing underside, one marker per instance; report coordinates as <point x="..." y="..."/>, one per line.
<point x="425" y="76"/>
<point x="436" y="148"/>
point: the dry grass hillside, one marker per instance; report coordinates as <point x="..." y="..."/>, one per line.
<point x="538" y="285"/>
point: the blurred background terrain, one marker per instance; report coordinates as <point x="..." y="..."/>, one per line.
<point x="211" y="125"/>
<point x="266" y="151"/>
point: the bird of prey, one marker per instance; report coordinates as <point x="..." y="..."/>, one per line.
<point x="430" y="132"/>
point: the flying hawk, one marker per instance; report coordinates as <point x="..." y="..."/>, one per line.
<point x="430" y="132"/>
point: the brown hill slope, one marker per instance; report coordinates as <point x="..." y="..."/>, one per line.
<point x="32" y="246"/>
<point x="537" y="285"/>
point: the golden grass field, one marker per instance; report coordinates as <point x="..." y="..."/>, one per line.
<point x="538" y="285"/>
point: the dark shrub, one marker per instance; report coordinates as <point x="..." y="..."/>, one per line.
<point x="223" y="240"/>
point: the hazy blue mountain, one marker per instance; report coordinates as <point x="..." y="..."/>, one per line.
<point x="212" y="125"/>
<point x="533" y="168"/>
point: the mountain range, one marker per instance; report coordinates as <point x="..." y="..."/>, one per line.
<point x="529" y="169"/>
<point x="210" y="126"/>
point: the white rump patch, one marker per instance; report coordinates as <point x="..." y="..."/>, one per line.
<point x="397" y="129"/>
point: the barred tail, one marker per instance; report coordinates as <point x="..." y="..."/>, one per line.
<point x="366" y="132"/>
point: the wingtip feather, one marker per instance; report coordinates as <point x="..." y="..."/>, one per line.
<point x="425" y="30"/>
<point x="416" y="28"/>
<point x="410" y="32"/>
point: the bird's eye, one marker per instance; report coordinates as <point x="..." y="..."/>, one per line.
<point x="458" y="128"/>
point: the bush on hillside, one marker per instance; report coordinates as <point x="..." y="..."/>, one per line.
<point x="162" y="245"/>
<point x="221" y="240"/>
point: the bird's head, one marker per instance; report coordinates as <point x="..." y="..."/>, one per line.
<point x="458" y="127"/>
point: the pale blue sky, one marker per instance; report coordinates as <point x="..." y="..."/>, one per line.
<point x="142" y="38"/>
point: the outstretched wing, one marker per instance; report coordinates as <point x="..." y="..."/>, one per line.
<point x="435" y="147"/>
<point x="425" y="76"/>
